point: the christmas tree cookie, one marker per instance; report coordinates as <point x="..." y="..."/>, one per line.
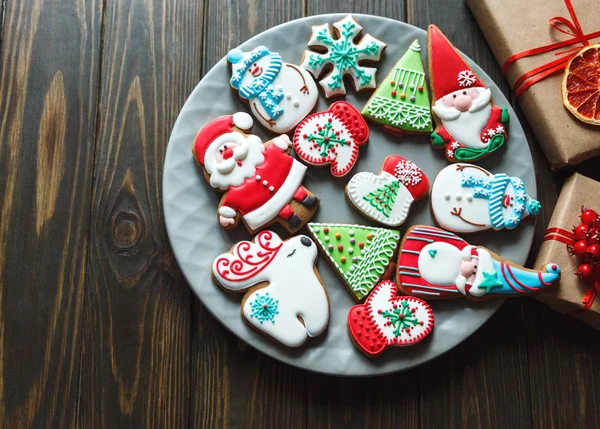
<point x="387" y="197"/>
<point x="401" y="102"/>
<point x="359" y="254"/>
<point x="388" y="320"/>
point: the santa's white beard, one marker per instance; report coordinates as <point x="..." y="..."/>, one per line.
<point x="228" y="173"/>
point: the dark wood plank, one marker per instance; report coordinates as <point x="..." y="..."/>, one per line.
<point x="388" y="8"/>
<point x="137" y="330"/>
<point x="233" y="384"/>
<point x="48" y="95"/>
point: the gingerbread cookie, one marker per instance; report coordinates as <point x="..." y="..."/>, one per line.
<point x="401" y="102"/>
<point x="280" y="94"/>
<point x="359" y="254"/>
<point x="467" y="198"/>
<point x="387" y="197"/>
<point x="437" y="264"/>
<point x="388" y="320"/>
<point x="285" y="297"/>
<point x="470" y="125"/>
<point x="262" y="182"/>
<point x="332" y="137"/>
<point x="342" y="55"/>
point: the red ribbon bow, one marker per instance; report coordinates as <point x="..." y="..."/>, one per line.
<point x="578" y="36"/>
<point x="566" y="237"/>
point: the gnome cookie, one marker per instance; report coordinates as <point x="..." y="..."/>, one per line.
<point x="388" y="320"/>
<point x="387" y="197"/>
<point x="285" y="296"/>
<point x="437" y="264"/>
<point x="401" y="102"/>
<point x="470" y="125"/>
<point x="261" y="181"/>
<point x="280" y="94"/>
<point x="332" y="137"/>
<point x="467" y="198"/>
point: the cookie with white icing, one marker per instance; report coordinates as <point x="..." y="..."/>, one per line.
<point x="388" y="320"/>
<point x="437" y="264"/>
<point x="386" y="197"/>
<point x="285" y="298"/>
<point x="279" y="94"/>
<point x="467" y="198"/>
<point x="341" y="54"/>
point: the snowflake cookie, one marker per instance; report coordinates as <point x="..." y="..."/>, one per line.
<point x="294" y="305"/>
<point x="342" y="54"/>
<point x="387" y="197"/>
<point x="388" y="320"/>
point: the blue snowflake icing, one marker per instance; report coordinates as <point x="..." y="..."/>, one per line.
<point x="264" y="308"/>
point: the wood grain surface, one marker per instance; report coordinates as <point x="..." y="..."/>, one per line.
<point x="98" y="328"/>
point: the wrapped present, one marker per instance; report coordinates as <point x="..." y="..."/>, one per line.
<point x="534" y="41"/>
<point x="573" y="241"/>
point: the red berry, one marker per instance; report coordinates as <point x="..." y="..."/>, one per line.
<point x="580" y="232"/>
<point x="579" y="248"/>
<point x="593" y="252"/>
<point x="585" y="272"/>
<point x="589" y="217"/>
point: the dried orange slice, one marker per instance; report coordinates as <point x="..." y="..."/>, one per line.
<point x="581" y="85"/>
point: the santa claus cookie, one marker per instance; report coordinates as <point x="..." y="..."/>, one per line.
<point x="279" y="94"/>
<point x="470" y="125"/>
<point x="387" y="197"/>
<point x="261" y="181"/>
<point x="359" y="254"/>
<point x="285" y="297"/>
<point x="438" y="264"/>
<point x="332" y="137"/>
<point x="388" y="320"/>
<point x="342" y="54"/>
<point x="401" y="102"/>
<point x="467" y="198"/>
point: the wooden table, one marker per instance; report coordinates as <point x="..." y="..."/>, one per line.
<point x="98" y="328"/>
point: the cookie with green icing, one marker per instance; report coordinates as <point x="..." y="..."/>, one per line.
<point x="359" y="254"/>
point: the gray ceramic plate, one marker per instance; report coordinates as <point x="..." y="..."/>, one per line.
<point x="190" y="205"/>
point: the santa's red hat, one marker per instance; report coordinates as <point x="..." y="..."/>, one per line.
<point x="212" y="134"/>
<point x="449" y="71"/>
<point x="407" y="172"/>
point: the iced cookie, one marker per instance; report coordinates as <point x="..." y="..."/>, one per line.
<point x="332" y="137"/>
<point x="261" y="181"/>
<point x="388" y="320"/>
<point x="401" y="102"/>
<point x="341" y="54"/>
<point x="436" y="264"/>
<point x="280" y="95"/>
<point x="467" y="198"/>
<point x="285" y="297"/>
<point x="387" y="197"/>
<point x="470" y="125"/>
<point x="360" y="255"/>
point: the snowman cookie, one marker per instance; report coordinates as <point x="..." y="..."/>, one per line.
<point x="388" y="320"/>
<point x="284" y="295"/>
<point x="387" y="197"/>
<point x="437" y="264"/>
<point x="342" y="55"/>
<point x="280" y="95"/>
<point x="332" y="137"/>
<point x="467" y="198"/>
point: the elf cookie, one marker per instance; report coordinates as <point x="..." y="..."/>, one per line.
<point x="280" y="94"/>
<point x="437" y="264"/>
<point x="470" y="125"/>
<point x="261" y="181"/>
<point x="359" y="254"/>
<point x="386" y="197"/>
<point x="388" y="320"/>
<point x="401" y="102"/>
<point x="332" y="137"/>
<point x="285" y="297"/>
<point x="467" y="198"/>
<point x="342" y="55"/>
